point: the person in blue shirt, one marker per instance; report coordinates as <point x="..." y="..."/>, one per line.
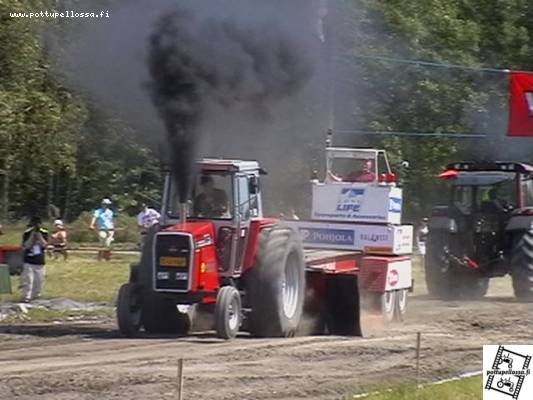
<point x="103" y="222"/>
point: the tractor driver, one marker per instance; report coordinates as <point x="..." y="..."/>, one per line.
<point x="211" y="202"/>
<point x="365" y="174"/>
<point x="495" y="202"/>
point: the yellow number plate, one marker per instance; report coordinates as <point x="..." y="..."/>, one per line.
<point x="173" y="261"/>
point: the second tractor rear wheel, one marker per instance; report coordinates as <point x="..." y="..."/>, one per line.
<point x="522" y="267"/>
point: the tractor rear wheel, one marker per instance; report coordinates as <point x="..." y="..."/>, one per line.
<point x="522" y="267"/>
<point x="437" y="268"/>
<point x="228" y="312"/>
<point x="160" y="315"/>
<point x="128" y="310"/>
<point x="277" y="284"/>
<point x="343" y="311"/>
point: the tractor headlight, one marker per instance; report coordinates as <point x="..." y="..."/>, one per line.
<point x="163" y="276"/>
<point x="452" y="226"/>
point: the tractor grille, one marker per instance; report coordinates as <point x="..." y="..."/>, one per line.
<point x="173" y="262"/>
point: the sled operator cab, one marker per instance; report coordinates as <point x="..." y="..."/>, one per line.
<point x="358" y="187"/>
<point x="483" y="229"/>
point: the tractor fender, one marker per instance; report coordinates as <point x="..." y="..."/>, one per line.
<point x="144" y="271"/>
<point x="520" y="223"/>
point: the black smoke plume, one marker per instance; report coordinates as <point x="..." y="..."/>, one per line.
<point x="199" y="63"/>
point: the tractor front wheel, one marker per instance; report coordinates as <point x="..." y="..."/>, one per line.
<point x="128" y="310"/>
<point x="277" y="284"/>
<point x="228" y="312"/>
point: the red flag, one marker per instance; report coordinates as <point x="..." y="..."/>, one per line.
<point x="521" y="104"/>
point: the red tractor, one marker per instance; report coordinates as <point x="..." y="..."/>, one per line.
<point x="217" y="253"/>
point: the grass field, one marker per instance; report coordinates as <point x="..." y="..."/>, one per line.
<point x="464" y="389"/>
<point x="82" y="278"/>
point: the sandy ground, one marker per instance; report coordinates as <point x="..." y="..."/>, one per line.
<point x="90" y="361"/>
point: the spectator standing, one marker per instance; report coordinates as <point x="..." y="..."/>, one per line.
<point x="34" y="241"/>
<point x="103" y="222"/>
<point x="147" y="218"/>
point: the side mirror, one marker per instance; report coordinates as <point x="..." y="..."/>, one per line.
<point x="253" y="185"/>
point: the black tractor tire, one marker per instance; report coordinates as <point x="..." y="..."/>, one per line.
<point x="161" y="316"/>
<point x="343" y="308"/>
<point x="522" y="267"/>
<point x="438" y="272"/>
<point x="228" y="312"/>
<point x="276" y="287"/>
<point x="128" y="310"/>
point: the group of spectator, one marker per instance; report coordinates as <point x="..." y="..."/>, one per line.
<point x="38" y="242"/>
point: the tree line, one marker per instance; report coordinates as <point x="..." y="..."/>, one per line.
<point x="60" y="152"/>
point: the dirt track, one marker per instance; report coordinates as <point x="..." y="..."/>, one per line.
<point x="90" y="362"/>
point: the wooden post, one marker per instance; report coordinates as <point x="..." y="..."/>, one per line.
<point x="418" y="340"/>
<point x="180" y="379"/>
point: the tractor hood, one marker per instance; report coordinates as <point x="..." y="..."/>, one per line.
<point x="203" y="232"/>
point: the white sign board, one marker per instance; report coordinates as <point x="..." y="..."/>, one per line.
<point x="357" y="202"/>
<point x="399" y="275"/>
<point x="371" y="239"/>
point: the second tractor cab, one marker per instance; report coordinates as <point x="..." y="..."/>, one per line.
<point x="484" y="230"/>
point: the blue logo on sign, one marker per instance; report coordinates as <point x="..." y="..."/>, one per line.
<point x="327" y="236"/>
<point x="395" y="204"/>
<point x="350" y="200"/>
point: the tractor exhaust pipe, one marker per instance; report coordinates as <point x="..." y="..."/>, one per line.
<point x="183" y="213"/>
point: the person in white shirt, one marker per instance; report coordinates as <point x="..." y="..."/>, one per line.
<point x="147" y="218"/>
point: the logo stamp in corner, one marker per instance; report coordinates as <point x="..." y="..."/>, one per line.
<point x="506" y="372"/>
